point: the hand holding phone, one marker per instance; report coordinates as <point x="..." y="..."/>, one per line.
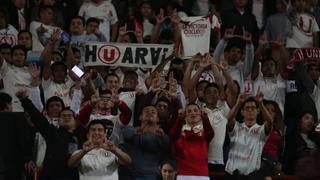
<point x="77" y="71"/>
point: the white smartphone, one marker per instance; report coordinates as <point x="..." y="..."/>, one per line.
<point x="77" y="71"/>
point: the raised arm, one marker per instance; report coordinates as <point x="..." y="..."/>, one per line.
<point x="231" y="85"/>
<point x="158" y="69"/>
<point x="156" y="30"/>
<point x="203" y="65"/>
<point x="234" y="111"/>
<point x="75" y="159"/>
<point x="46" y="53"/>
<point x="208" y="130"/>
<point x="38" y="119"/>
<point x="175" y="20"/>
<point x="175" y="130"/>
<point x="34" y="71"/>
<point x="249" y="54"/>
<point x="268" y="120"/>
<point x="228" y="34"/>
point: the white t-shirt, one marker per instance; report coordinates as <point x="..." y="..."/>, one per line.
<point x="51" y="88"/>
<point x="9" y="35"/>
<point x="98" y="164"/>
<point x="246" y="148"/>
<point x="105" y="12"/>
<point x="218" y="121"/>
<point x="14" y="79"/>
<point x="273" y="89"/>
<point x="316" y="97"/>
<point x="36" y="44"/>
<point x="147" y="28"/>
<point x="302" y="32"/>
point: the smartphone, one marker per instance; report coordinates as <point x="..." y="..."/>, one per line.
<point x="77" y="71"/>
<point x="65" y="37"/>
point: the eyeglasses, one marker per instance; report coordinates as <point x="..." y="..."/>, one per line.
<point x="105" y="97"/>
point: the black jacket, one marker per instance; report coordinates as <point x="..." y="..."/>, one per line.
<point x="16" y="140"/>
<point x="60" y="145"/>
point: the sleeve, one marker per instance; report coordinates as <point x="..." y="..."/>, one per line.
<point x="225" y="109"/>
<point x="40" y="122"/>
<point x="219" y="50"/>
<point x="76" y="101"/>
<point x="248" y="62"/>
<point x="125" y="113"/>
<point x="82" y="11"/>
<point x="263" y="135"/>
<point x="215" y="24"/>
<point x="175" y="130"/>
<point x="36" y="98"/>
<point x="4" y="69"/>
<point x="84" y="114"/>
<point x="113" y="15"/>
<point x="233" y="133"/>
<point x="208" y="130"/>
<point x="315" y="26"/>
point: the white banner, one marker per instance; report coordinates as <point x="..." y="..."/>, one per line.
<point x="122" y="54"/>
<point x="195" y="34"/>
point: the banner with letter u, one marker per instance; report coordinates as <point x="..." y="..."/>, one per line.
<point x="122" y="54"/>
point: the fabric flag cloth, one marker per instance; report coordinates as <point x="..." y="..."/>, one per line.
<point x="130" y="99"/>
<point x="195" y="34"/>
<point x="306" y="54"/>
<point x="122" y="54"/>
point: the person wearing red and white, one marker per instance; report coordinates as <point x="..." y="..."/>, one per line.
<point x="106" y="13"/>
<point x="304" y="27"/>
<point x="190" y="139"/>
<point x="102" y="107"/>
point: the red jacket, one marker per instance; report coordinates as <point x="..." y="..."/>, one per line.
<point x="191" y="149"/>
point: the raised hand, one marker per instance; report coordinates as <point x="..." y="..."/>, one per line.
<point x="108" y="145"/>
<point x="115" y="97"/>
<point x="259" y="95"/>
<point x="263" y="40"/>
<point x="196" y="58"/>
<point x="175" y="19"/>
<point x="95" y="98"/>
<point x="34" y="70"/>
<point x="156" y="83"/>
<point x="246" y="36"/>
<point x="30" y="167"/>
<point x="206" y="61"/>
<point x="88" y="146"/>
<point x="123" y="30"/>
<point x="42" y="29"/>
<point x="224" y="66"/>
<point x="229" y="33"/>
<point x="21" y="94"/>
<point x="173" y="85"/>
<point x="139" y="33"/>
<point x="55" y="36"/>
<point x="242" y="97"/>
<point x="160" y="17"/>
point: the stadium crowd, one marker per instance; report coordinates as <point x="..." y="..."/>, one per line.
<point x="247" y="107"/>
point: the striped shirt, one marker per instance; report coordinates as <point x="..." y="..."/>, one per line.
<point x="246" y="148"/>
